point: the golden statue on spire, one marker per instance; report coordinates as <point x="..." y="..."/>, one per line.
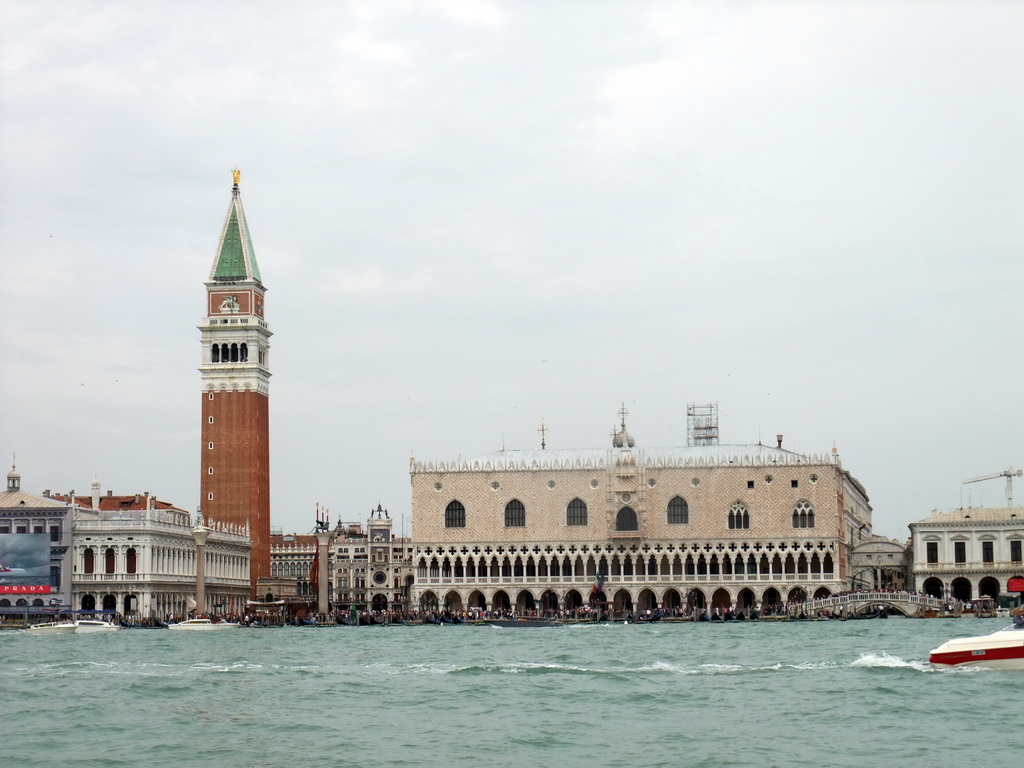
<point x="236" y="175"/>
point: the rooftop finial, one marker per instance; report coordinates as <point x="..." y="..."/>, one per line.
<point x="236" y="175"/>
<point x="543" y="430"/>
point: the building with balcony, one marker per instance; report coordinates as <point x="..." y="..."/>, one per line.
<point x="965" y="554"/>
<point x="137" y="555"/>
<point x="698" y="527"/>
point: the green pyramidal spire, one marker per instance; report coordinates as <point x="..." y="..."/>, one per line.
<point x="236" y="259"/>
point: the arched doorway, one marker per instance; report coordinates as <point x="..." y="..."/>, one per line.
<point x="88" y="602"/>
<point x="797" y="595"/>
<point x="131" y="604"/>
<point x="623" y="602"/>
<point x="647" y="601"/>
<point x="960" y="589"/>
<point x="933" y="587"/>
<point x="109" y="603"/>
<point x="573" y="600"/>
<point x="745" y="602"/>
<point x="428" y="601"/>
<point x="379" y="603"/>
<point x="821" y="593"/>
<point x="525" y="602"/>
<point x="988" y="587"/>
<point x="549" y="601"/>
<point x="696" y="601"/>
<point x="453" y="601"/>
<point x="721" y="600"/>
<point x="672" y="600"/>
<point x="477" y="600"/>
<point x="771" y="601"/>
<point x="500" y="601"/>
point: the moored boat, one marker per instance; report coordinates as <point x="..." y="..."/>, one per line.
<point x="204" y="625"/>
<point x="523" y="622"/>
<point x="86" y="626"/>
<point x="52" y="628"/>
<point x="1003" y="649"/>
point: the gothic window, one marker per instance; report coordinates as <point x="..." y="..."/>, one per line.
<point x="739" y="516"/>
<point x="803" y="515"/>
<point x="455" y="515"/>
<point x="678" y="511"/>
<point x="626" y="520"/>
<point x="576" y="512"/>
<point x="515" y="514"/>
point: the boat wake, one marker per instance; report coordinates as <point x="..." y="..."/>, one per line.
<point x="888" y="661"/>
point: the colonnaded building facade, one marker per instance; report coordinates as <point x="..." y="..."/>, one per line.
<point x="969" y="553"/>
<point x="686" y="528"/>
<point x="141" y="557"/>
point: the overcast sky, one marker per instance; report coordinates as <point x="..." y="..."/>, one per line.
<point x="474" y="215"/>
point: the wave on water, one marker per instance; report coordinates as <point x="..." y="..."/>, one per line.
<point x="888" y="661"/>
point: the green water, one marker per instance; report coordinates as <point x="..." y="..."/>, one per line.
<point x="743" y="694"/>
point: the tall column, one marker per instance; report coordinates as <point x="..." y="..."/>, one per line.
<point x="323" y="541"/>
<point x="201" y="534"/>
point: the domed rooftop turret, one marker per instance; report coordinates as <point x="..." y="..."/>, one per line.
<point x="620" y="437"/>
<point x="13" y="479"/>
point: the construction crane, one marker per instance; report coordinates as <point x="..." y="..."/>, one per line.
<point x="1009" y="474"/>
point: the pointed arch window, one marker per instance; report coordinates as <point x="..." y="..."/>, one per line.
<point x="678" y="511"/>
<point x="576" y="512"/>
<point x="626" y="520"/>
<point x="739" y="516"/>
<point x="455" y="515"/>
<point x="515" y="514"/>
<point x="803" y="515"/>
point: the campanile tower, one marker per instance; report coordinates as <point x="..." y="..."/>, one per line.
<point x="235" y="465"/>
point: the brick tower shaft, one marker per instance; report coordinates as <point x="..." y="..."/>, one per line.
<point x="235" y="451"/>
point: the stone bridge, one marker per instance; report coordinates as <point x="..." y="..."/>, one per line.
<point x="907" y="603"/>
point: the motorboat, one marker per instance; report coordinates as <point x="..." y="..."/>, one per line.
<point x="86" y="626"/>
<point x="204" y="625"/>
<point x="52" y="628"/>
<point x="1003" y="649"/>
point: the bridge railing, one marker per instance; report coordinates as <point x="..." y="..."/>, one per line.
<point x="855" y="598"/>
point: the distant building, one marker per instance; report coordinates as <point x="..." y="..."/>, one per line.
<point x="967" y="553"/>
<point x="24" y="513"/>
<point x="879" y="563"/>
<point x="370" y="568"/>
<point x="235" y="371"/>
<point x="137" y="555"/>
<point x="699" y="527"/>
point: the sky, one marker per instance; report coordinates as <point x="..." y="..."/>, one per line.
<point x="472" y="216"/>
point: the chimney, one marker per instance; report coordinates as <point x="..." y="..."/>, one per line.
<point x="779" y="439"/>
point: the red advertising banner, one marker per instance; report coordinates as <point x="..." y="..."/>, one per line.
<point x="1015" y="585"/>
<point x="24" y="589"/>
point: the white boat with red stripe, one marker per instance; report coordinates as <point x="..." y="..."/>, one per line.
<point x="1003" y="649"/>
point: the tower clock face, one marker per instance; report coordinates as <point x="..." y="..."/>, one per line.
<point x="380" y="577"/>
